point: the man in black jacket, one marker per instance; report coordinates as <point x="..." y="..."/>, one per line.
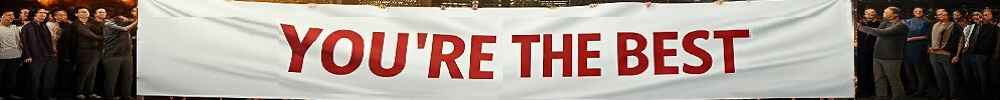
<point x="888" y="53"/>
<point x="89" y="43"/>
<point x="863" y="56"/>
<point x="40" y="56"/>
<point x="980" y="47"/>
<point x="115" y="57"/>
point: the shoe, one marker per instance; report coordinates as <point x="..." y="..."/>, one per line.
<point x="80" y="96"/>
<point x="14" y="97"/>
<point x="95" y="96"/>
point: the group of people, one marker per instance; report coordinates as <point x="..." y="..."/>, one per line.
<point x="954" y="54"/>
<point x="82" y="52"/>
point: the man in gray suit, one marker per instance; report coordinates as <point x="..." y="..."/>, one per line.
<point x="888" y="53"/>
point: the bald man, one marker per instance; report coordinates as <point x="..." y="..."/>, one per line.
<point x="888" y="56"/>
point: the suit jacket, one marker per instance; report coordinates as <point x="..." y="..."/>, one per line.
<point x="891" y="38"/>
<point x="866" y="42"/>
<point x="89" y="35"/>
<point x="117" y="40"/>
<point x="983" y="40"/>
<point x="68" y="42"/>
<point x="37" y="42"/>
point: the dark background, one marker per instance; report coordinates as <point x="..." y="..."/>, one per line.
<point x="117" y="7"/>
<point x="908" y="5"/>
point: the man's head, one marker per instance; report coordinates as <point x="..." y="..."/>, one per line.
<point x="957" y="15"/>
<point x="987" y="15"/>
<point x="23" y="14"/>
<point x="870" y="14"/>
<point x="135" y="12"/>
<point x="976" y="16"/>
<point x="942" y="15"/>
<point x="101" y="13"/>
<point x="41" y="15"/>
<point x="7" y="18"/>
<point x="60" y="16"/>
<point x="890" y="14"/>
<point x="918" y="12"/>
<point x="82" y="13"/>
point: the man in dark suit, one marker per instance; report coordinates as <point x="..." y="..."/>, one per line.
<point x="974" y="50"/>
<point x="980" y="48"/>
<point x="888" y="53"/>
<point x="40" y="56"/>
<point x="863" y="58"/>
<point x="89" y="43"/>
<point x="996" y="65"/>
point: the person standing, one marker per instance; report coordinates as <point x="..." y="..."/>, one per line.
<point x="865" y="48"/>
<point x="995" y="72"/>
<point x="973" y="53"/>
<point x="916" y="65"/>
<point x="10" y="56"/>
<point x="115" y="58"/>
<point x="888" y="56"/>
<point x="40" y="53"/>
<point x="65" y="34"/>
<point x="88" y="53"/>
<point x="943" y="42"/>
<point x="981" y="47"/>
<point x="968" y="73"/>
<point x="128" y="79"/>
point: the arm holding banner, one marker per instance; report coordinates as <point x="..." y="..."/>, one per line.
<point x="891" y="30"/>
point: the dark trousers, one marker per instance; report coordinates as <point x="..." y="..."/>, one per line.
<point x="920" y="77"/>
<point x="116" y="76"/>
<point x="43" y="78"/>
<point x="981" y="67"/>
<point x="887" y="77"/>
<point x="863" y="73"/>
<point x="995" y="70"/>
<point x="128" y="78"/>
<point x="87" y="70"/>
<point x="969" y="76"/>
<point x="67" y="72"/>
<point x="8" y="76"/>
<point x="947" y="75"/>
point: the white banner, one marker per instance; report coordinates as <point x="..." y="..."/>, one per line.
<point x="757" y="49"/>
